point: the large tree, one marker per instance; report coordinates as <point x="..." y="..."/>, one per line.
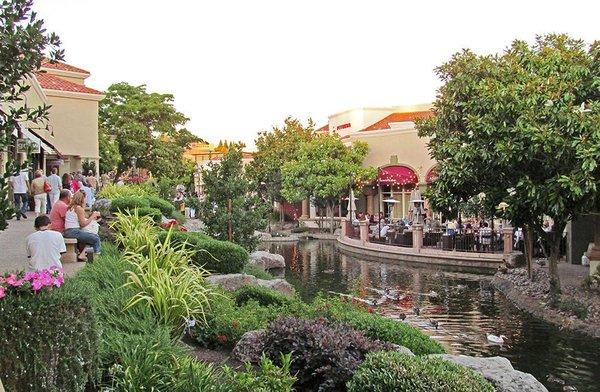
<point x="273" y="149"/>
<point x="136" y="123"/>
<point x="325" y="169"/>
<point x="230" y="211"/>
<point x="522" y="127"/>
<point x="24" y="43"/>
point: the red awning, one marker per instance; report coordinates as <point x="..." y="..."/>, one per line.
<point x="432" y="175"/>
<point x="397" y="175"/>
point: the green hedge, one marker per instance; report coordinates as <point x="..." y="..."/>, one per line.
<point x="263" y="295"/>
<point x="154" y="213"/>
<point x="128" y="203"/>
<point x="377" y="327"/>
<point x="48" y="342"/>
<point x="161" y="204"/>
<point x="393" y="371"/>
<point x="216" y="256"/>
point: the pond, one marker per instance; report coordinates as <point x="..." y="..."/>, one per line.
<point x="465" y="307"/>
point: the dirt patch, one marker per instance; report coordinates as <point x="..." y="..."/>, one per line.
<point x="218" y="357"/>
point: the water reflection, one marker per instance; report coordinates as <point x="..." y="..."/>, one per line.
<point x="465" y="308"/>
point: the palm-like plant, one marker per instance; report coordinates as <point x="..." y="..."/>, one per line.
<point x="134" y="233"/>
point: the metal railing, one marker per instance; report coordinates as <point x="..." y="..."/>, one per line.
<point x="465" y="242"/>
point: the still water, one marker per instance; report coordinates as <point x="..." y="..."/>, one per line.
<point x="465" y="306"/>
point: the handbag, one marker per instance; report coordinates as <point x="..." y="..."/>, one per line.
<point x="47" y="187"/>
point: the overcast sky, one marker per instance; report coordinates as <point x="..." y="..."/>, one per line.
<point x="238" y="67"/>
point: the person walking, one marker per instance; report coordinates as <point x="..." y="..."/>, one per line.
<point x="20" y="186"/>
<point x="56" y="184"/>
<point x="45" y="246"/>
<point x="38" y="190"/>
<point x="76" y="221"/>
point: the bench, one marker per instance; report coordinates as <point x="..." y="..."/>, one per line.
<point x="70" y="256"/>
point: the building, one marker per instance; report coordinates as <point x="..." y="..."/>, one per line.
<point x="201" y="153"/>
<point x="70" y="136"/>
<point x="395" y="149"/>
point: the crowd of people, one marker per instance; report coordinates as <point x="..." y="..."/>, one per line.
<point x="60" y="208"/>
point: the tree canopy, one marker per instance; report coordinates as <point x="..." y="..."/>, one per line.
<point x="25" y="42"/>
<point x="522" y="127"/>
<point x="225" y="182"/>
<point x="325" y="169"/>
<point x="273" y="149"/>
<point x="136" y="123"/>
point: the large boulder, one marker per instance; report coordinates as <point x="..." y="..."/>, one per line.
<point x="232" y="282"/>
<point x="267" y="260"/>
<point x="498" y="371"/>
<point x="250" y="346"/>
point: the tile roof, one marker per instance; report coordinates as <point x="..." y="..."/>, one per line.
<point x="59" y="65"/>
<point x="397" y="117"/>
<point x="323" y="129"/>
<point x="51" y="82"/>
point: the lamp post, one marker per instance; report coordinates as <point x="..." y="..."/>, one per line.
<point x="133" y="161"/>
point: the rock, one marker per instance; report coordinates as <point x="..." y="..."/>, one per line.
<point x="267" y="260"/>
<point x="280" y="285"/>
<point x="402" y="350"/>
<point x="499" y="372"/>
<point x="232" y="282"/>
<point x="250" y="346"/>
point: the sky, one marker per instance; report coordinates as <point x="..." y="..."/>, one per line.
<point x="240" y="67"/>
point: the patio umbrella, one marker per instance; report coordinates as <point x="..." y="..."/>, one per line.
<point x="392" y="201"/>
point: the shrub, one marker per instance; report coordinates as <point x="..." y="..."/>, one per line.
<point x="263" y="295"/>
<point x="133" y="232"/>
<point x="377" y="327"/>
<point x="393" y="371"/>
<point x="257" y="272"/>
<point x="213" y="255"/>
<point x="48" y="342"/>
<point x="165" y="207"/>
<point x="300" y="229"/>
<point x="572" y="306"/>
<point x="153" y="213"/>
<point x="267" y="378"/>
<point x="164" y="280"/>
<point x="179" y="217"/>
<point x="324" y="356"/>
<point x="128" y="203"/>
<point x="112" y="191"/>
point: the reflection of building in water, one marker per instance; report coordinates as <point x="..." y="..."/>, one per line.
<point x="344" y="264"/>
<point x="383" y="274"/>
<point x="305" y="263"/>
<point x="364" y="273"/>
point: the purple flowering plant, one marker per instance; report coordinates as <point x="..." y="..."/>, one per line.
<point x="30" y="282"/>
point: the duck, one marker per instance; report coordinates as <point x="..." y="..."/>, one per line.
<point x="417" y="310"/>
<point x="496" y="339"/>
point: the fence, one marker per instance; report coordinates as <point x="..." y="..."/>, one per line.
<point x="465" y="242"/>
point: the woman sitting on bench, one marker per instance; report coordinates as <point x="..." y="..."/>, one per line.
<point x="76" y="221"/>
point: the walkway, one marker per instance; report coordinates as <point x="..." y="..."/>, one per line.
<point x="12" y="247"/>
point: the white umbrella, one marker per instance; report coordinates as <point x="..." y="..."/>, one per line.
<point x="392" y="201"/>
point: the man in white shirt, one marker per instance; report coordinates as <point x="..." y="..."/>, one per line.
<point x="45" y="246"/>
<point x="20" y="186"/>
<point x="56" y="183"/>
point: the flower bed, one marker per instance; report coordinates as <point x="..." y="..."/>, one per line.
<point x="30" y="282"/>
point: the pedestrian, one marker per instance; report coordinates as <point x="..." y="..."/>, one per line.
<point x="76" y="221"/>
<point x="20" y="186"/>
<point x="66" y="181"/>
<point x="92" y="181"/>
<point x="59" y="211"/>
<point x="45" y="246"/>
<point x="39" y="189"/>
<point x="56" y="184"/>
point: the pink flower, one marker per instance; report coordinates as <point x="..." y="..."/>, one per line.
<point x="59" y="280"/>
<point x="13" y="281"/>
<point x="30" y="275"/>
<point x="2" y="292"/>
<point x="36" y="285"/>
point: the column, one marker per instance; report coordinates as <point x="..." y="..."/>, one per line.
<point x="344" y="227"/>
<point x="364" y="231"/>
<point x="417" y="232"/>
<point x="370" y="204"/>
<point x="507" y="234"/>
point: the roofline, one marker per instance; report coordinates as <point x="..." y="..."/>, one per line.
<point x="38" y="88"/>
<point x="395" y="109"/>
<point x="74" y="94"/>
<point x="62" y="72"/>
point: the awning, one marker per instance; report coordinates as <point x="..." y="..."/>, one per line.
<point x="35" y="136"/>
<point x="397" y="175"/>
<point x="432" y="175"/>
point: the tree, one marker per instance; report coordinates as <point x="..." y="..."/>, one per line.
<point x="24" y="43"/>
<point x="273" y="149"/>
<point x="135" y="123"/>
<point x="524" y="128"/>
<point x="325" y="169"/>
<point x="229" y="210"/>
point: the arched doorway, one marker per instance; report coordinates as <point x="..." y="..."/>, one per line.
<point x="396" y="182"/>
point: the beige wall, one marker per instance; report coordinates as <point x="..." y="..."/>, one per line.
<point x="75" y="126"/>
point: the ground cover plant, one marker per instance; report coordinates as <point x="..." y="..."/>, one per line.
<point x="396" y="372"/>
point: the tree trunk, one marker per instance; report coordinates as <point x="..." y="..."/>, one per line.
<point x="555" y="237"/>
<point x="331" y="230"/>
<point x="528" y="240"/>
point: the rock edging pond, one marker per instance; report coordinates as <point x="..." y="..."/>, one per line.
<point x="531" y="297"/>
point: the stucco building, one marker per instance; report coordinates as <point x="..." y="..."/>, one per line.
<point x="70" y="136"/>
<point x="395" y="149"/>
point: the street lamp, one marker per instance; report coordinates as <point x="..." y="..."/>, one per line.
<point x="133" y="161"/>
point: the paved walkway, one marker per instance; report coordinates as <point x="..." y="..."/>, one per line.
<point x="12" y="247"/>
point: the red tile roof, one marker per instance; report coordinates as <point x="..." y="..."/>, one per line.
<point x="323" y="129"/>
<point x="46" y="63"/>
<point x="397" y="117"/>
<point x="51" y="82"/>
